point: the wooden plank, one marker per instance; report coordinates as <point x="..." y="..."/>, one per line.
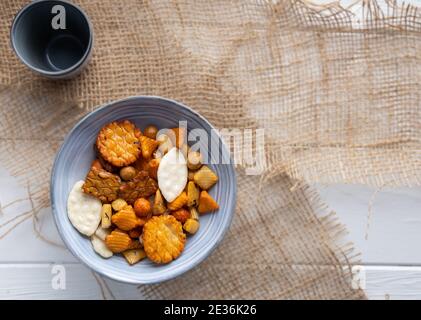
<point x="37" y="281"/>
<point x="392" y="282"/>
<point x="390" y="234"/>
<point x="56" y="281"/>
<point x="391" y="237"/>
<point x="23" y="244"/>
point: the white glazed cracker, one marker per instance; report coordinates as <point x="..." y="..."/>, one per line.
<point x="102" y="233"/>
<point x="172" y="174"/>
<point x="84" y="211"/>
<point x="100" y="247"/>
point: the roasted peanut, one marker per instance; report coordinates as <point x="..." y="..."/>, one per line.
<point x="127" y="173"/>
<point x="150" y="131"/>
<point x="142" y="207"/>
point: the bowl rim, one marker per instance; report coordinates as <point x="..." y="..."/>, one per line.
<point x="87" y="262"/>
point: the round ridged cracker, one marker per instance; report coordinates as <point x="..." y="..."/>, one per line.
<point x="83" y="210"/>
<point x="172" y="174"/>
<point x="118" y="143"/>
<point x="163" y="238"/>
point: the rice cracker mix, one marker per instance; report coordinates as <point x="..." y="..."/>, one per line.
<point x="143" y="194"/>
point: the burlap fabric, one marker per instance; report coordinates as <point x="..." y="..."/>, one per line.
<point x="338" y="102"/>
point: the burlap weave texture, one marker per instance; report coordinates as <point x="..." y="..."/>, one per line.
<point x="338" y="102"/>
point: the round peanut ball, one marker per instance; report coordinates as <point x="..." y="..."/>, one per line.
<point x="150" y="132"/>
<point x="142" y="207"/>
<point x="127" y="173"/>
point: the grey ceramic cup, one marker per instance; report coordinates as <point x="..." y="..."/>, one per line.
<point x="50" y="45"/>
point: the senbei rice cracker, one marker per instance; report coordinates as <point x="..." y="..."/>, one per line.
<point x="172" y="174"/>
<point x="135" y="199"/>
<point x="84" y="210"/>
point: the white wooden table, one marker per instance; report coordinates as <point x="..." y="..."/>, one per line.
<point x="389" y="239"/>
<point x="390" y="247"/>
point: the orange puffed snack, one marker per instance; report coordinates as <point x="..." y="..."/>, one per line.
<point x="163" y="238"/>
<point x="148" y="146"/>
<point x="118" y="143"/>
<point x="207" y="203"/>
<point x="118" y="241"/>
<point x="125" y="219"/>
<point x="178" y="202"/>
<point x="181" y="215"/>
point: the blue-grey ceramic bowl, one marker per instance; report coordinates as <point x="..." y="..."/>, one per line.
<point x="73" y="162"/>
